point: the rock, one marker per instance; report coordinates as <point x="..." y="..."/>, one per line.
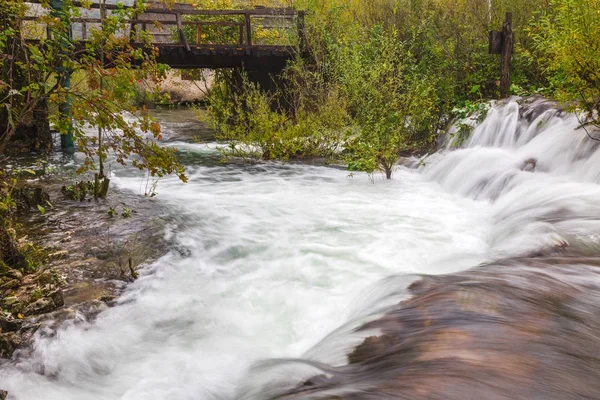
<point x="15" y="274"/>
<point x="47" y="277"/>
<point x="57" y="298"/>
<point x="108" y="299"/>
<point x="370" y="348"/>
<point x="529" y="165"/>
<point x="41" y="306"/>
<point x="46" y="304"/>
<point x="8" y="323"/>
<point x="12" y="304"/>
<point x="58" y="254"/>
<point x="28" y="198"/>
<point x="8" y="344"/>
<point x="3" y="394"/>
<point x="9" y="284"/>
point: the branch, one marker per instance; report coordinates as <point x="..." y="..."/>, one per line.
<point x="582" y="125"/>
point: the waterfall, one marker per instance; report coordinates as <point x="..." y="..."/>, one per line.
<point x="473" y="275"/>
<point x="521" y="325"/>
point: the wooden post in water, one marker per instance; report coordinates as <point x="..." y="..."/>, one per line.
<point x="503" y="43"/>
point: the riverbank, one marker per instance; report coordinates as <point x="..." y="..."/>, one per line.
<point x="91" y="249"/>
<point x="305" y="281"/>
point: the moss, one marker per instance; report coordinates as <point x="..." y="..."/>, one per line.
<point x="4" y="269"/>
<point x="37" y="294"/>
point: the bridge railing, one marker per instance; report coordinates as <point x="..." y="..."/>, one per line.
<point x="183" y="25"/>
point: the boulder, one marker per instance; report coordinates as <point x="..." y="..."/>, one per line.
<point x="8" y="344"/>
<point x="12" y="304"/>
<point x="29" y="198"/>
<point x="529" y="165"/>
<point x="47" y="277"/>
<point x="57" y="298"/>
<point x="8" y="323"/>
<point x="46" y="304"/>
<point x="7" y="283"/>
<point x="41" y="306"/>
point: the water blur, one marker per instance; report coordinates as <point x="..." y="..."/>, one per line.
<point x="473" y="276"/>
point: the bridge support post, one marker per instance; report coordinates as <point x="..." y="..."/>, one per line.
<point x="64" y="73"/>
<point x="301" y="28"/>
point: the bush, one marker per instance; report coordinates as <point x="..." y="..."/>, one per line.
<point x="566" y="39"/>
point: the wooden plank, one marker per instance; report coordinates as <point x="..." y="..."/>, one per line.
<point x="182" y="38"/>
<point x="181" y="8"/>
<point x="198" y="33"/>
<point x="142" y="21"/>
<point x="506" y="57"/>
<point x="272" y="12"/>
<point x="248" y="31"/>
<point x="211" y="23"/>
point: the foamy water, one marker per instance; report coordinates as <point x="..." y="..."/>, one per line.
<point x="275" y="258"/>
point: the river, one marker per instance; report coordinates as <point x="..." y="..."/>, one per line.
<point x="284" y="261"/>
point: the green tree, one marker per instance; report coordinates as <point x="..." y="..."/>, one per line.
<point x="394" y="106"/>
<point x="566" y="39"/>
<point x="106" y="69"/>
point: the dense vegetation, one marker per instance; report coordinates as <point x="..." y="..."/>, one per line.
<point x="377" y="79"/>
<point x="105" y="75"/>
<point x="385" y="77"/>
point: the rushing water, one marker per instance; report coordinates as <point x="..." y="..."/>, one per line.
<point x="286" y="261"/>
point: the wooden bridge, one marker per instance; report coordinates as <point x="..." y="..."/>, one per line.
<point x="260" y="39"/>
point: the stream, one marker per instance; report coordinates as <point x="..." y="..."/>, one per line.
<point x="285" y="261"/>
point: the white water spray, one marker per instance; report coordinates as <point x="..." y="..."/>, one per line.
<point x="281" y="256"/>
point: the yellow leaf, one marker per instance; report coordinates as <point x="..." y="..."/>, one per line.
<point x="20" y="316"/>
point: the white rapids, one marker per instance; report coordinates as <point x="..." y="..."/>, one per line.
<point x="278" y="256"/>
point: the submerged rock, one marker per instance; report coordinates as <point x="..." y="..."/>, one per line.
<point x="29" y="198"/>
<point x="529" y="165"/>
<point x="498" y="331"/>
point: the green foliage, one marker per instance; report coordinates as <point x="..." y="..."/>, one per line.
<point x="566" y="38"/>
<point x="394" y="105"/>
<point x="105" y="73"/>
<point x="126" y="212"/>
<point x="468" y="114"/>
<point x="80" y="191"/>
<point x="255" y="124"/>
<point x="16" y="251"/>
<point x="37" y="294"/>
<point x="383" y="78"/>
<point x="215" y="31"/>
